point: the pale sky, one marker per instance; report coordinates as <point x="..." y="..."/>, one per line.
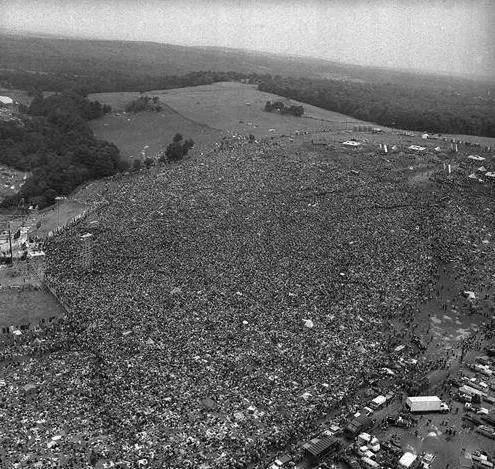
<point x="453" y="36"/>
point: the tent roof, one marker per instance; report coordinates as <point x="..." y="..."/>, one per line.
<point x="423" y="398"/>
<point x="407" y="459"/>
<point x="319" y="445"/>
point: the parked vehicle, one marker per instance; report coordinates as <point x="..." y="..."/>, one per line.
<point x="426" y="404"/>
<point x="486" y="431"/>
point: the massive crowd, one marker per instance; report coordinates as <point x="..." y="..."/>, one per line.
<point x="231" y="302"/>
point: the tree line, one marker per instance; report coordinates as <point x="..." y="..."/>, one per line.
<point x="393" y="105"/>
<point x="55" y="144"/>
<point x="466" y="108"/>
<point x="105" y="81"/>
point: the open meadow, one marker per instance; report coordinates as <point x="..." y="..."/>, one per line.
<point x="147" y="133"/>
<point x="22" y="307"/>
<point x="208" y="112"/>
<point x="204" y="113"/>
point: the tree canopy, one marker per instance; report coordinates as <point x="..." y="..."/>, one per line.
<point x="56" y="145"/>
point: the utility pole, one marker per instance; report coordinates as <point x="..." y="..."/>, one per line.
<point x="58" y="199"/>
<point x="86" y="251"/>
<point x="10" y="246"/>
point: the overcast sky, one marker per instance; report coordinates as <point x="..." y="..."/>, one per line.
<point x="438" y="35"/>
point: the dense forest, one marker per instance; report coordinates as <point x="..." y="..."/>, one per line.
<point x="55" y="144"/>
<point x="110" y="81"/>
<point x="394" y="105"/>
<point x="457" y="110"/>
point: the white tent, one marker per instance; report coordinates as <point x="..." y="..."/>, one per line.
<point x="476" y="158"/>
<point x="407" y="460"/>
<point x="308" y="323"/>
<point x="379" y="400"/>
<point x="6" y="100"/>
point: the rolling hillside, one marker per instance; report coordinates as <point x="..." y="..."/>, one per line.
<point x="82" y="56"/>
<point x="205" y="113"/>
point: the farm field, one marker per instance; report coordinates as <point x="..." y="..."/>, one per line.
<point x="207" y="112"/>
<point x="237" y="107"/>
<point x="204" y="113"/>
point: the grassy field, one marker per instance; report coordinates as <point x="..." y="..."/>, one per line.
<point x="145" y="134"/>
<point x="236" y="107"/>
<point x="28" y="306"/>
<point x="207" y="112"/>
<point x="204" y="113"/>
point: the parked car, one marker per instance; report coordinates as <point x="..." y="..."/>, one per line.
<point x="486" y="431"/>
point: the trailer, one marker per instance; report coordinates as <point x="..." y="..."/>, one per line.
<point x="470" y="390"/>
<point x="426" y="404"/>
<point x="315" y="449"/>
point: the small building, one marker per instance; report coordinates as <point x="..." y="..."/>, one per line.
<point x="407" y="460"/>
<point x="5" y="101"/>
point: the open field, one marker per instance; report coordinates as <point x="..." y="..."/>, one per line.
<point x="146" y="133"/>
<point x="205" y="113"/>
<point x="237" y="107"/>
<point x="27" y="307"/>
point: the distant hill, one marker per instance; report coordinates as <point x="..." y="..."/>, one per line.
<point x="82" y="57"/>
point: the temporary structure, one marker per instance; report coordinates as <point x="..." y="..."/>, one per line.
<point x="5" y="100"/>
<point x="407" y="460"/>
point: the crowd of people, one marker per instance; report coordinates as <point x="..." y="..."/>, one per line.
<point x="231" y="302"/>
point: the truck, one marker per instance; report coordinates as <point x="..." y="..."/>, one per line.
<point x="426" y="404"/>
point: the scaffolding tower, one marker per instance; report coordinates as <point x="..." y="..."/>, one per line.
<point x="86" y="251"/>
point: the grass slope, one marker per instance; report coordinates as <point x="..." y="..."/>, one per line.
<point x="146" y="133"/>
<point x="207" y="112"/>
<point x="28" y="306"/>
<point x="203" y="113"/>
